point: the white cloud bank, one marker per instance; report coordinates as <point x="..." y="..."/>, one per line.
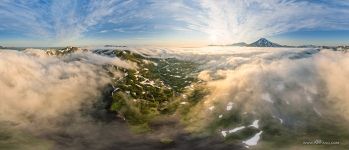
<point x="277" y="85"/>
<point x="38" y="90"/>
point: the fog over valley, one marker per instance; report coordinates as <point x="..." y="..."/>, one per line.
<point x="231" y="94"/>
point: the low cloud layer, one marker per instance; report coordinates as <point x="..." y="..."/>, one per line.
<point x="38" y="91"/>
<point x="279" y="85"/>
<point x="46" y="96"/>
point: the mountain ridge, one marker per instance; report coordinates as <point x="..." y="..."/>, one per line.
<point x="263" y="42"/>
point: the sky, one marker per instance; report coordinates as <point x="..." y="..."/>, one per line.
<point x="172" y="22"/>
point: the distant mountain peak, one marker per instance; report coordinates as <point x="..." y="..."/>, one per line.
<point x="263" y="42"/>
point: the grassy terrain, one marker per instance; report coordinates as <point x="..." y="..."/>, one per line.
<point x="155" y="88"/>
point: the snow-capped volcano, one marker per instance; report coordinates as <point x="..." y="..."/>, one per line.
<point x="262" y="42"/>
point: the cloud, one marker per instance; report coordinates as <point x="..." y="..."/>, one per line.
<point x="277" y="85"/>
<point x="303" y="87"/>
<point x="50" y="100"/>
<point x="229" y="21"/>
<point x="62" y="21"/>
<point x="103" y="31"/>
<point x="72" y="18"/>
<point x="224" y="21"/>
<point x="34" y="86"/>
<point x="20" y="17"/>
<point x="284" y="88"/>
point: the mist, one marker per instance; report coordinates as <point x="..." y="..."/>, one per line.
<point x="296" y="90"/>
<point x="53" y="102"/>
<point x="43" y="95"/>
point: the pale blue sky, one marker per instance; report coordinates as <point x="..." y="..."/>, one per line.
<point x="172" y="22"/>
